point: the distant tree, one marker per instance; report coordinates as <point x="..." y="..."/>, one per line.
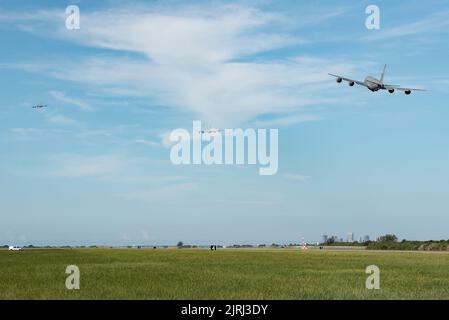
<point x="388" y="238"/>
<point x="180" y="244"/>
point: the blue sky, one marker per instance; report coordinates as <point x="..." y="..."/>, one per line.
<point x="94" y="168"/>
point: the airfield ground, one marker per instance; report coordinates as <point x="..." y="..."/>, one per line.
<point x="222" y="274"/>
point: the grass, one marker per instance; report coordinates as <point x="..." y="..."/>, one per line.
<point x="222" y="274"/>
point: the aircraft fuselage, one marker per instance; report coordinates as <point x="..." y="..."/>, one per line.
<point x="372" y="83"/>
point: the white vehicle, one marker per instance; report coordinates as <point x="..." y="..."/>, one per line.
<point x="14" y="248"/>
<point x="374" y="84"/>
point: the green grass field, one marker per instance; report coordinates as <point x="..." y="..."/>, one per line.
<point x="223" y="274"/>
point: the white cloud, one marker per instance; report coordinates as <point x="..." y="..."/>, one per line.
<point x="185" y="36"/>
<point x="62" y="120"/>
<point x="226" y="94"/>
<point x="197" y="58"/>
<point x="147" y="142"/>
<point x="61" y="96"/>
<point x="287" y="121"/>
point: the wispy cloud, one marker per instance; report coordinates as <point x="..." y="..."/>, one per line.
<point x="165" y="140"/>
<point x="287" y="120"/>
<point x="62" y="120"/>
<point x="26" y="132"/>
<point x="206" y="61"/>
<point x="61" y="96"/>
<point x="227" y="94"/>
<point x="147" y="142"/>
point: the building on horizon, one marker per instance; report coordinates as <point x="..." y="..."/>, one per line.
<point x="324" y="238"/>
<point x="350" y="237"/>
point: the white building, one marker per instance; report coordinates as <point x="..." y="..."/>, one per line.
<point x="350" y="237"/>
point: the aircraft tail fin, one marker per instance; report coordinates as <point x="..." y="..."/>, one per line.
<point x="382" y="75"/>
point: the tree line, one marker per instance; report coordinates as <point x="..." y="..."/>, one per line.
<point x="391" y="242"/>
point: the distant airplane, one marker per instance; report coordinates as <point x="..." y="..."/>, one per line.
<point x="39" y="106"/>
<point x="210" y="131"/>
<point x="374" y="84"/>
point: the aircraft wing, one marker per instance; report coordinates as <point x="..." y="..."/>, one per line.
<point x="409" y="89"/>
<point x="391" y="86"/>
<point x="348" y="80"/>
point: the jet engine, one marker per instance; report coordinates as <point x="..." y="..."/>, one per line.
<point x="339" y="80"/>
<point x="391" y="90"/>
<point x="351" y="83"/>
<point x="407" y="92"/>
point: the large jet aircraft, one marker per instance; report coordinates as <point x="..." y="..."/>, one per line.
<point x="374" y="84"/>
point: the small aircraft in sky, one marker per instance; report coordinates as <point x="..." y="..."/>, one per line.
<point x="374" y="84"/>
<point x="39" y="106"/>
<point x="210" y="131"/>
